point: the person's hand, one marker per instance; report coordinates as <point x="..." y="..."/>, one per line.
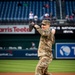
<point x="36" y="25"/>
<point x="32" y="23"/>
<point x="53" y="31"/>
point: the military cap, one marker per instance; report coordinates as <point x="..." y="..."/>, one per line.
<point x="45" y="22"/>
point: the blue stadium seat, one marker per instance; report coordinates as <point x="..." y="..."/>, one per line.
<point x="70" y="7"/>
<point x="11" y="11"/>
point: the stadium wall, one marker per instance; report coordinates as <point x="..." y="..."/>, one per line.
<point x="24" y="41"/>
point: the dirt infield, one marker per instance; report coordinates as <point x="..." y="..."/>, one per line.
<point x="33" y="73"/>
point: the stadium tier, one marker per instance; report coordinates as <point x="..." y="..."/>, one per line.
<point x="19" y="10"/>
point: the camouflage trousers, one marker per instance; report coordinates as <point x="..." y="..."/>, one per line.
<point x="42" y="66"/>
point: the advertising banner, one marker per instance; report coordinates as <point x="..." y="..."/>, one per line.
<point x="65" y="50"/>
<point x="24" y="29"/>
<point x="64" y="29"/>
<point x="18" y="54"/>
<point x="15" y="29"/>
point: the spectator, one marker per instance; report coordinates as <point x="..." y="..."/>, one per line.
<point x="74" y="12"/>
<point x="67" y="18"/>
<point x="33" y="47"/>
<point x="51" y="16"/>
<point x="36" y="18"/>
<point x="46" y="6"/>
<point x="72" y="18"/>
<point x="46" y="16"/>
<point x="19" y="4"/>
<point x="54" y="19"/>
<point x="31" y="16"/>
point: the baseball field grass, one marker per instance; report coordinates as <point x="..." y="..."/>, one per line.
<point x="29" y="65"/>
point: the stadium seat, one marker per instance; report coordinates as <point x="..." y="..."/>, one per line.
<point x="14" y="10"/>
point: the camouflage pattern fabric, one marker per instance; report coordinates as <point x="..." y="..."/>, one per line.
<point x="44" y="51"/>
<point x="46" y="41"/>
<point x="42" y="66"/>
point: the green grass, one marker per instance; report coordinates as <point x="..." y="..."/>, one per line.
<point x="29" y="65"/>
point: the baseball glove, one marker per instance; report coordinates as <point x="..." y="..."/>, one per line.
<point x="31" y="26"/>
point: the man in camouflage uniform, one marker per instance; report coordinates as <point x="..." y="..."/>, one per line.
<point x="45" y="47"/>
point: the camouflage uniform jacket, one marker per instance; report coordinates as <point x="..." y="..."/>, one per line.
<point x="46" y="41"/>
